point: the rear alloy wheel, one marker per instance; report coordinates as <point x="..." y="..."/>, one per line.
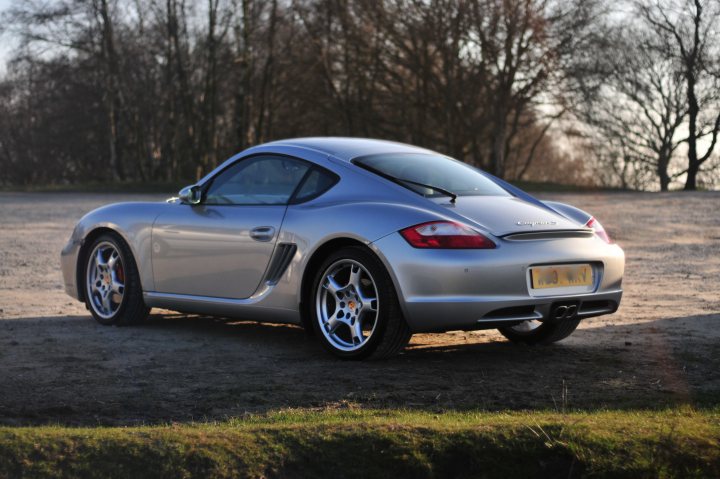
<point x="356" y="312"/>
<point x="112" y="283"/>
<point x="538" y="332"/>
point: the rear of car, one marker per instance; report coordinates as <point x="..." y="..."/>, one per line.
<point x="523" y="277"/>
<point x="496" y="259"/>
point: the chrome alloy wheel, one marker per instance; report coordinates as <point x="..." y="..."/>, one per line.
<point x="105" y="282"/>
<point x="347" y="305"/>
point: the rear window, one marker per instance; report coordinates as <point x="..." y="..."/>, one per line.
<point x="434" y="170"/>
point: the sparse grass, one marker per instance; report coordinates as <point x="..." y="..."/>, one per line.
<point x="380" y="443"/>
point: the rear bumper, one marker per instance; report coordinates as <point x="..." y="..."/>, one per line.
<point x="483" y="313"/>
<point x="441" y="290"/>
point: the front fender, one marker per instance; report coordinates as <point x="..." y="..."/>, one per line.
<point x="133" y="223"/>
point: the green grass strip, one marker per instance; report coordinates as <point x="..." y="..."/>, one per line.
<point x="379" y="443"/>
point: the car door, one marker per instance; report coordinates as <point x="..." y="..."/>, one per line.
<point x="222" y="246"/>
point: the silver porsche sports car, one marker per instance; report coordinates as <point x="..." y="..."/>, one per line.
<point x="363" y="242"/>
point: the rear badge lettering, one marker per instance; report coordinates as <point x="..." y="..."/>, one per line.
<point x="536" y="223"/>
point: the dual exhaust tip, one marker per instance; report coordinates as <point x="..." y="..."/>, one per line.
<point x="563" y="311"/>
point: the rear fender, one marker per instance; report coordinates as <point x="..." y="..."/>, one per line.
<point x="570" y="212"/>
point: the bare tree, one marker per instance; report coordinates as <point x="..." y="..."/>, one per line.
<point x="639" y="106"/>
<point x="689" y="31"/>
<point x="164" y="89"/>
<point x="113" y="94"/>
<point x="244" y="27"/>
<point x="81" y="27"/>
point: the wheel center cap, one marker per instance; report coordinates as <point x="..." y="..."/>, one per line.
<point x="351" y="305"/>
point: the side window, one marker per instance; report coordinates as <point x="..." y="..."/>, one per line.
<point x="316" y="183"/>
<point x="262" y="180"/>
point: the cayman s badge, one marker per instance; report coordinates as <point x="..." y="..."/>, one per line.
<point x="536" y="223"/>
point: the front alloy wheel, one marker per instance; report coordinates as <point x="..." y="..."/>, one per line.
<point x="112" y="283"/>
<point x="105" y="280"/>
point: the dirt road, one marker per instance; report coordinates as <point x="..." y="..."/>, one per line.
<point x="58" y="366"/>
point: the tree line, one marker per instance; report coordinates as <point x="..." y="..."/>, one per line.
<point x="575" y="91"/>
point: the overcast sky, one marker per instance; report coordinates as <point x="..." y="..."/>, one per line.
<point x="5" y="40"/>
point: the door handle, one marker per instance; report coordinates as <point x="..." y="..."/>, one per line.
<point x="262" y="233"/>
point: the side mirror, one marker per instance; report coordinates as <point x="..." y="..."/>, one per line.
<point x="190" y="195"/>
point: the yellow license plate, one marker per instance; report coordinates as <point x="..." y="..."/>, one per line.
<point x="562" y="276"/>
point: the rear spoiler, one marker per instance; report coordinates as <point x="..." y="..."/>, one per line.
<point x="568" y="211"/>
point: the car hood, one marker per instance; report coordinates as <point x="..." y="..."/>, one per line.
<point x="502" y="215"/>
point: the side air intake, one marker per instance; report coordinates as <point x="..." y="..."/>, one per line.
<point x="284" y="253"/>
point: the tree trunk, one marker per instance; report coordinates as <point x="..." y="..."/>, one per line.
<point x="266" y="77"/>
<point x="664" y="178"/>
<point x="693" y="109"/>
<point x="208" y="117"/>
<point x="112" y="94"/>
<point x="242" y="93"/>
<point x="499" y="134"/>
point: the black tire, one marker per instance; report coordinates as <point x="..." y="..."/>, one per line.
<point x="391" y="333"/>
<point x="132" y="308"/>
<point x="546" y="333"/>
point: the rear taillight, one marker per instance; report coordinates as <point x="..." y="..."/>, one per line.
<point x="445" y="235"/>
<point x="598" y="228"/>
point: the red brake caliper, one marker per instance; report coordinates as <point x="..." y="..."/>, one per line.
<point x="121" y="274"/>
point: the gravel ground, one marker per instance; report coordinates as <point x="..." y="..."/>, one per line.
<point x="58" y="366"/>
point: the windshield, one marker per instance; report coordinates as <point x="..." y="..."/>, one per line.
<point x="432" y="171"/>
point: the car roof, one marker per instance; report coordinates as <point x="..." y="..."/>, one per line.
<point x="348" y="148"/>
